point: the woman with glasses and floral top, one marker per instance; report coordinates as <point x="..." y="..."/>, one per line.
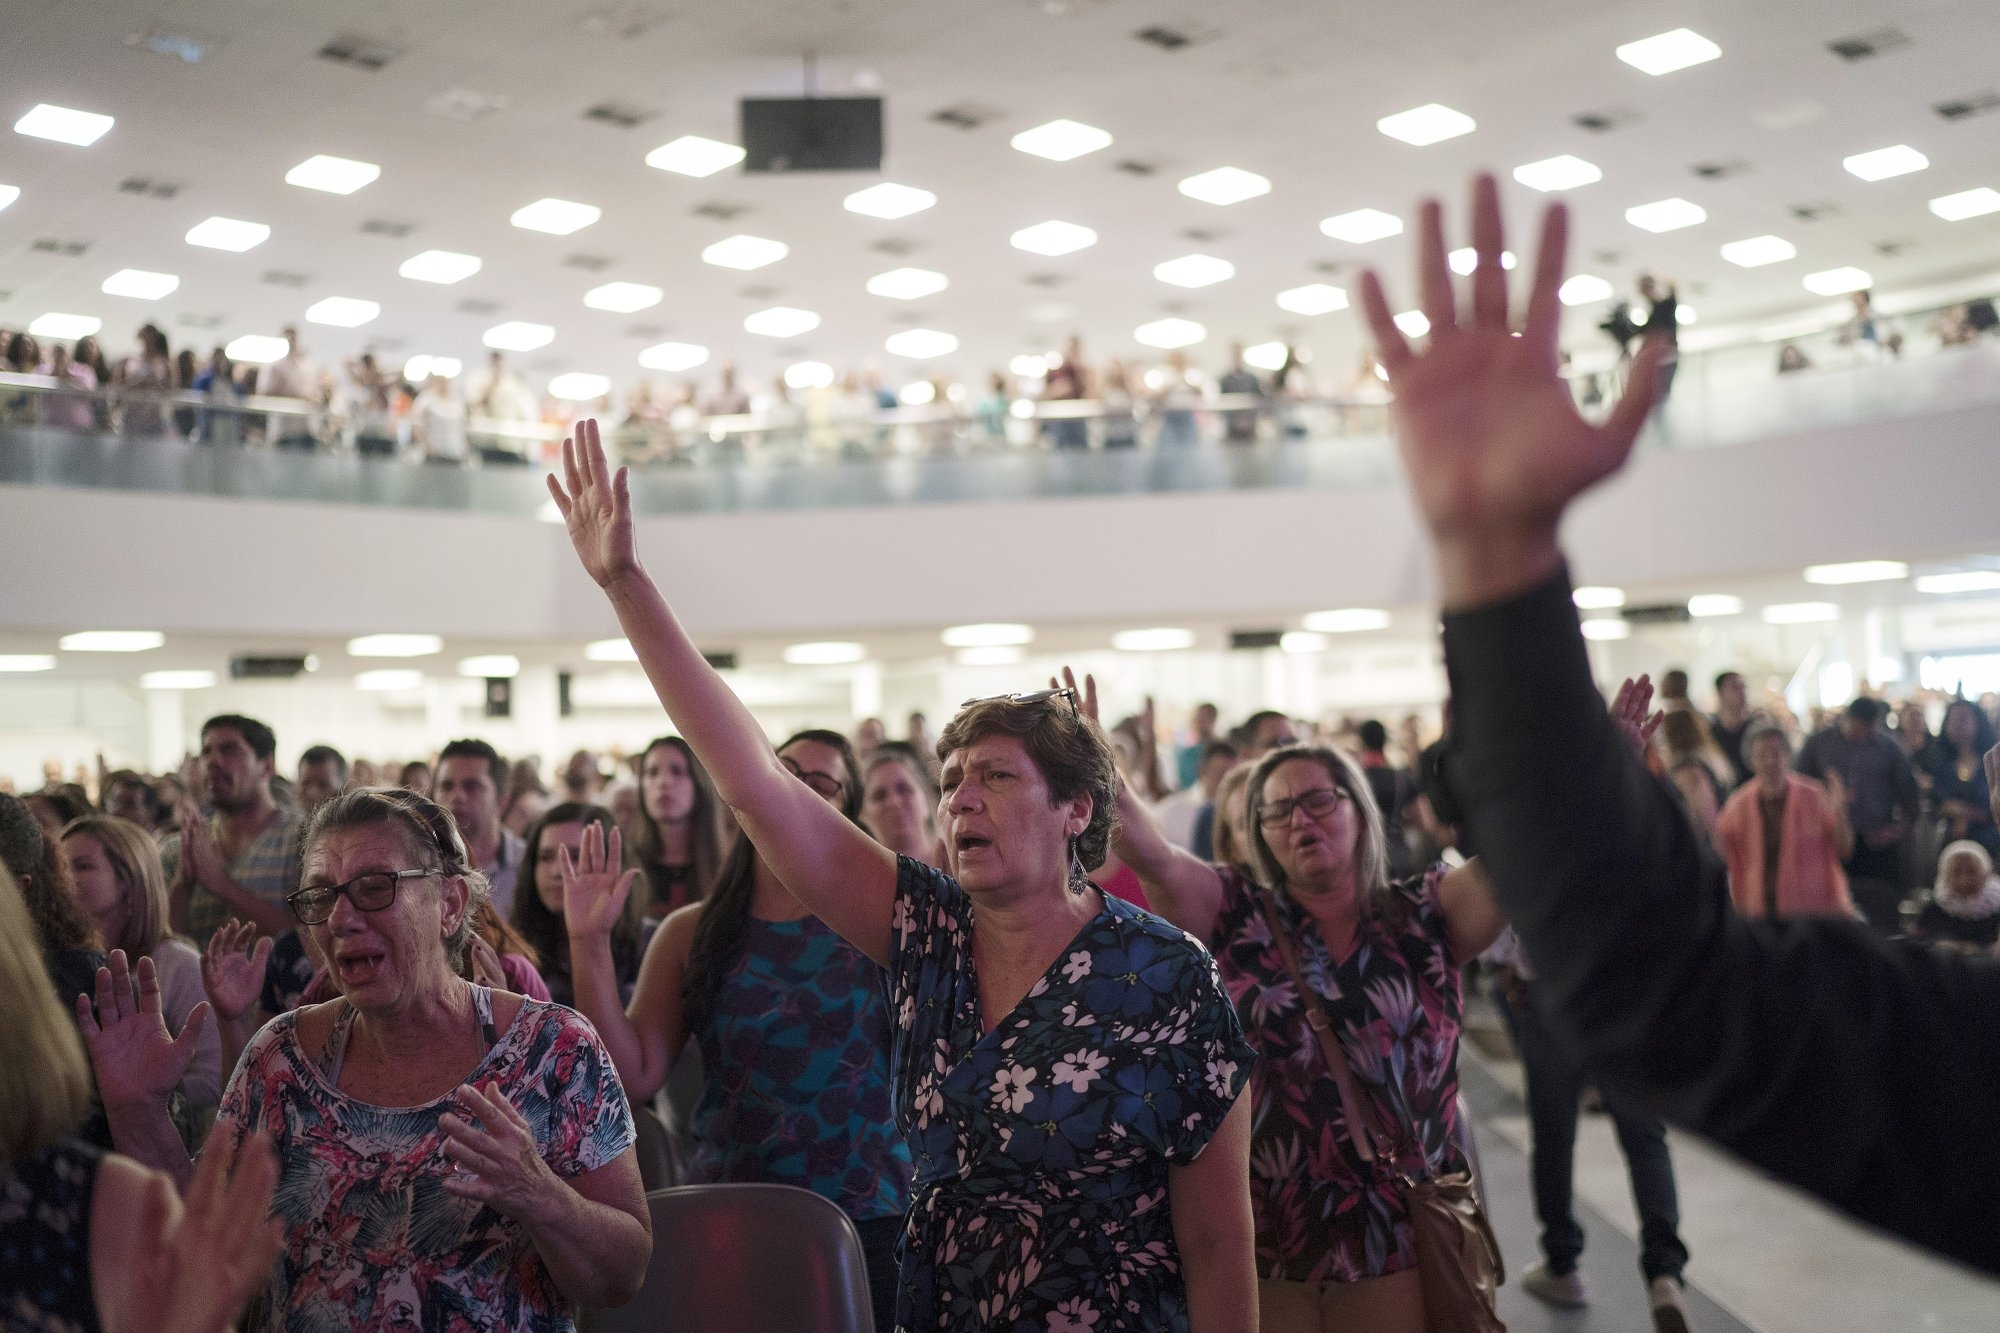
<point x="1335" y="1249"/>
<point x="1066" y="1065"/>
<point x="789" y="1018"/>
<point x="448" y="1154"/>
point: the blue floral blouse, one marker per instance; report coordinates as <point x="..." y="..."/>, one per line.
<point x="1042" y="1147"/>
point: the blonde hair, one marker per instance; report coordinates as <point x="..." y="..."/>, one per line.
<point x="45" y="1085"/>
<point x="1222" y="837"/>
<point x="135" y="857"/>
<point x="1371" y="848"/>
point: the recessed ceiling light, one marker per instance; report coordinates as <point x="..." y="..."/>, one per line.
<point x="781" y="321"/>
<point x="1583" y="288"/>
<point x="492" y="666"/>
<point x="1028" y="366"/>
<point x="579" y="386"/>
<point x="23" y="662"/>
<point x="997" y="656"/>
<point x="889" y="201"/>
<point x="56" y="324"/>
<point x="177" y="680"/>
<point x="623" y="297"/>
<point x="611" y="650"/>
<point x="1426" y="124"/>
<point x="1413" y="323"/>
<point x="335" y="175"/>
<point x="518" y="336"/>
<point x="1161" y="639"/>
<point x="1758" y="251"/>
<point x="1225" y="185"/>
<point x="421" y="367"/>
<point x="1801" y="613"/>
<point x="1303" y="641"/>
<point x="1596" y="598"/>
<point x="230" y="234"/>
<point x="1705" y="604"/>
<point x="440" y="266"/>
<point x="907" y="284"/>
<point x="1669" y="51"/>
<point x="1602" y="629"/>
<point x="139" y="284"/>
<point x="1857" y="571"/>
<point x="1838" y="281"/>
<point x="1362" y="226"/>
<point x="988" y="635"/>
<point x="342" y="312"/>
<point x="921" y="344"/>
<point x="1882" y="163"/>
<point x="1563" y="172"/>
<point x="557" y="217"/>
<point x="692" y="155"/>
<point x="745" y="252"/>
<point x="673" y="356"/>
<point x="1951" y="207"/>
<point x="395" y="645"/>
<point x="917" y="393"/>
<point x="1315" y="298"/>
<point x="1968" y="580"/>
<point x="60" y="123"/>
<point x="829" y="652"/>
<point x="1666" y="215"/>
<point x="111" y="641"/>
<point x="1346" y="620"/>
<point x="1194" y="271"/>
<point x="1170" y="333"/>
<point x="1061" y="140"/>
<point x="1053" y="238"/>
<point x="1267" y="356"/>
<point x="402" y="678"/>
<point x="1464" y="259"/>
<point x="8" y="194"/>
<point x="1686" y="314"/>
<point x="808" y="375"/>
<point x="257" y="349"/>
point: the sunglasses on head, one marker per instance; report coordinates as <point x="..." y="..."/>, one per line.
<point x="1025" y="697"/>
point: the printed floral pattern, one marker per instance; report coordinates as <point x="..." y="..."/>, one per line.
<point x="1324" y="1214"/>
<point x="1042" y="1147"/>
<point x="372" y="1240"/>
<point x="45" y="1240"/>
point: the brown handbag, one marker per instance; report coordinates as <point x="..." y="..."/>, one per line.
<point x="1458" y="1258"/>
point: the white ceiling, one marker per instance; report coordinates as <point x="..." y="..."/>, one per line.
<point x="1286" y="88"/>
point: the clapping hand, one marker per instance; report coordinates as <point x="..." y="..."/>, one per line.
<point x="493" y="1149"/>
<point x="232" y="969"/>
<point x="198" y="1260"/>
<point x="594" y="890"/>
<point x="597" y="507"/>
<point x="1490" y="436"/>
<point x="136" y="1058"/>
<point x="1629" y="712"/>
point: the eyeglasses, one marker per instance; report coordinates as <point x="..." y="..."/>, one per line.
<point x="1315" y="803"/>
<point x="826" y="784"/>
<point x="369" y="893"/>
<point x="1027" y="697"/>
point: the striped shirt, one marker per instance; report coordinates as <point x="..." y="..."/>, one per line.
<point x="267" y="869"/>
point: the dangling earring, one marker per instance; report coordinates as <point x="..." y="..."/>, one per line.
<point x="1078" y="881"/>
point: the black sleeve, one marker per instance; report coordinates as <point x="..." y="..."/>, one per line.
<point x="1865" y="1071"/>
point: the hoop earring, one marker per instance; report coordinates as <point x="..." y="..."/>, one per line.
<point x="1078" y="881"/>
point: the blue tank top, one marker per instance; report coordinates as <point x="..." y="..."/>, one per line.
<point x="797" y="1056"/>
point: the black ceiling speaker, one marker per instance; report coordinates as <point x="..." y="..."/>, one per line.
<point x="812" y="134"/>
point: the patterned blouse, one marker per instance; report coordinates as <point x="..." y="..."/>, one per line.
<point x="372" y="1240"/>
<point x="797" y="1057"/>
<point x="1042" y="1147"/>
<point x="45" y="1240"/>
<point x="1324" y="1214"/>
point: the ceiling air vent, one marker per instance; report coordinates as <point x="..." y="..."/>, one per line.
<point x="357" y="52"/>
<point x="720" y="211"/>
<point x="1134" y="167"/>
<point x="190" y="320"/>
<point x="266" y="668"/>
<point x="1046" y="279"/>
<point x="1167" y="39"/>
<point x="759" y="293"/>
<point x="477" y="307"/>
<point x="588" y="263"/>
<point x="152" y="189"/>
<point x="1895" y="245"/>
<point x="650" y="332"/>
<point x="49" y="245"/>
<point x="278" y="277"/>
<point x="622" y="21"/>
<point x="1605" y="119"/>
<point x="388" y="227"/>
<point x="1255" y="638"/>
<point x="465" y="104"/>
<point x="720" y="661"/>
<point x="1716" y="171"/>
<point x="965" y="116"/>
<point x="1203" y="235"/>
<point x="1669" y="613"/>
<point x="1815" y="212"/>
<point x="1960" y="108"/>
<point x="624" y="115"/>
<point x="895" y="245"/>
<point x="1867" y="44"/>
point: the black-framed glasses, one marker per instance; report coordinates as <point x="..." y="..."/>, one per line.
<point x="369" y="893"/>
<point x="1025" y="697"/>
<point x="1315" y="803"/>
<point x="826" y="784"/>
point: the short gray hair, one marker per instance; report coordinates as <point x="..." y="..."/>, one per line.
<point x="428" y="832"/>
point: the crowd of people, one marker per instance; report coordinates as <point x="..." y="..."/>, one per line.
<point x="979" y="994"/>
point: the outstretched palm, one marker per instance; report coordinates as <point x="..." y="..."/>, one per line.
<point x="232" y="969"/>
<point x="596" y="504"/>
<point x="594" y="890"/>
<point x="137" y="1060"/>
<point x="1493" y="442"/>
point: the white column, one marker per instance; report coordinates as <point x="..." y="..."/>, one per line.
<point x="166" y="730"/>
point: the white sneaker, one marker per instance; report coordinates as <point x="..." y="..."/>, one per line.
<point x="1567" y="1291"/>
<point x="1670" y="1312"/>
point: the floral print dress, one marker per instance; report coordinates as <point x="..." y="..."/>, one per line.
<point x="1323" y="1214"/>
<point x="1042" y="1147"/>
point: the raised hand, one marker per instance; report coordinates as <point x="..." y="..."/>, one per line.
<point x="198" y="1260"/>
<point x="137" y="1060"/>
<point x="1086" y="698"/>
<point x="1490" y="435"/>
<point x="1630" y="712"/>
<point x="594" y="891"/>
<point x="493" y="1150"/>
<point x="232" y="969"/>
<point x="596" y="504"/>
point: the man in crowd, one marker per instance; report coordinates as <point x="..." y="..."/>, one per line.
<point x="293" y="376"/>
<point x="581" y="777"/>
<point x="1239" y="424"/>
<point x="1881" y="804"/>
<point x="322" y="776"/>
<point x="1262" y="732"/>
<point x="244" y="860"/>
<point x="1193" y="748"/>
<point x="1732" y="718"/>
<point x="1392" y="788"/>
<point x="471" y="777"/>
<point x="1179" y="812"/>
